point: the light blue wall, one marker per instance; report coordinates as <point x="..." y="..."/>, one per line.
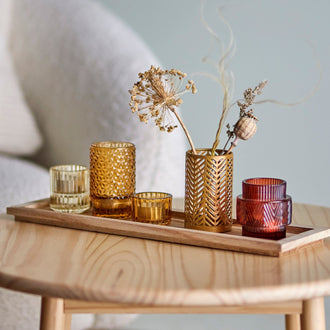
<point x="291" y="143"/>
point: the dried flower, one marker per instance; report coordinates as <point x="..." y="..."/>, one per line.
<point x="250" y="95"/>
<point x="157" y="95"/>
<point x="246" y="126"/>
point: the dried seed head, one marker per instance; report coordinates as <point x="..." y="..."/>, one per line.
<point x="250" y="95"/>
<point x="156" y="95"/>
<point x="245" y="128"/>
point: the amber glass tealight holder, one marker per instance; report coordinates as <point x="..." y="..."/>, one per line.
<point x="112" y="178"/>
<point x="152" y="207"/>
<point x="264" y="210"/>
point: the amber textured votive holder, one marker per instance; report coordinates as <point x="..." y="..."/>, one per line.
<point x="112" y="178"/>
<point x="152" y="207"/>
<point x="69" y="188"/>
<point x="264" y="210"/>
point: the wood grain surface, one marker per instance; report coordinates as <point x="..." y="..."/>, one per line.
<point x="97" y="267"/>
<point x="296" y="236"/>
<point x="78" y="306"/>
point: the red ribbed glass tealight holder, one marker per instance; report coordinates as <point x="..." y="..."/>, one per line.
<point x="264" y="210"/>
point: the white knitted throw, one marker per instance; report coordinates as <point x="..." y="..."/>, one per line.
<point x="76" y="62"/>
<point x="19" y="134"/>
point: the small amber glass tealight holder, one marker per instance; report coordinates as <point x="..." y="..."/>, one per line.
<point x="152" y="207"/>
<point x="264" y="210"/>
<point x="69" y="188"/>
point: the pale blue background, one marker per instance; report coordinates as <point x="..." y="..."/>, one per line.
<point x="272" y="43"/>
<point x="291" y="143"/>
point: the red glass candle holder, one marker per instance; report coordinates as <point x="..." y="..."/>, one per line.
<point x="264" y="210"/>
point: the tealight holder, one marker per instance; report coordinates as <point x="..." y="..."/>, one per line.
<point x="69" y="188"/>
<point x="152" y="207"/>
<point x="264" y="210"/>
<point x="112" y="178"/>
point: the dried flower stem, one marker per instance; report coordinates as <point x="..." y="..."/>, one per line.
<point x="231" y="147"/>
<point x="308" y="95"/>
<point x="225" y="146"/>
<point x="184" y="129"/>
<point x="222" y="119"/>
<point x="244" y="129"/>
<point x="226" y="80"/>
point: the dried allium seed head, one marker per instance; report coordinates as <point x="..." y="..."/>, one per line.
<point x="156" y="95"/>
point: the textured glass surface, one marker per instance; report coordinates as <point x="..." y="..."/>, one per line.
<point x="69" y="188"/>
<point x="112" y="178"/>
<point x="264" y="189"/>
<point x="208" y="190"/>
<point x="264" y="210"/>
<point x="152" y="207"/>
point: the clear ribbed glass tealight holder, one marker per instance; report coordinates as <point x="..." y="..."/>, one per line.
<point x="69" y="188"/>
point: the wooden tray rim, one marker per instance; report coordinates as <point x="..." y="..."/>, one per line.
<point x="31" y="213"/>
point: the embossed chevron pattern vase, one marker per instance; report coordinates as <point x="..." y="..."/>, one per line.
<point x="208" y="190"/>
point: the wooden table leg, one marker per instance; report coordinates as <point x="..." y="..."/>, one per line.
<point x="52" y="315"/>
<point x="313" y="317"/>
<point x="292" y="322"/>
<point x="67" y="321"/>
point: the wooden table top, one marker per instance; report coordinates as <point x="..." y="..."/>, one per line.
<point x="82" y="265"/>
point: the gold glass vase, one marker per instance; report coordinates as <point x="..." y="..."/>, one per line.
<point x="208" y="190"/>
<point x="112" y="178"/>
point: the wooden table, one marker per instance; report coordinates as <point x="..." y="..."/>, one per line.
<point x="80" y="272"/>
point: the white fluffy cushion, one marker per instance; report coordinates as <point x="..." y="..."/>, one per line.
<point x="76" y="62"/>
<point x="19" y="134"/>
<point x="21" y="181"/>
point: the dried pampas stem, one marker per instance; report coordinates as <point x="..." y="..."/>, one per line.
<point x="226" y="79"/>
<point x="310" y="94"/>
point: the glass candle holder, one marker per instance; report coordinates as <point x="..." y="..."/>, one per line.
<point x="264" y="210"/>
<point x="208" y="191"/>
<point x="112" y="178"/>
<point x="152" y="207"/>
<point x="69" y="188"/>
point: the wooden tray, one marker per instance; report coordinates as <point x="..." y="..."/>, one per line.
<point x="297" y="236"/>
